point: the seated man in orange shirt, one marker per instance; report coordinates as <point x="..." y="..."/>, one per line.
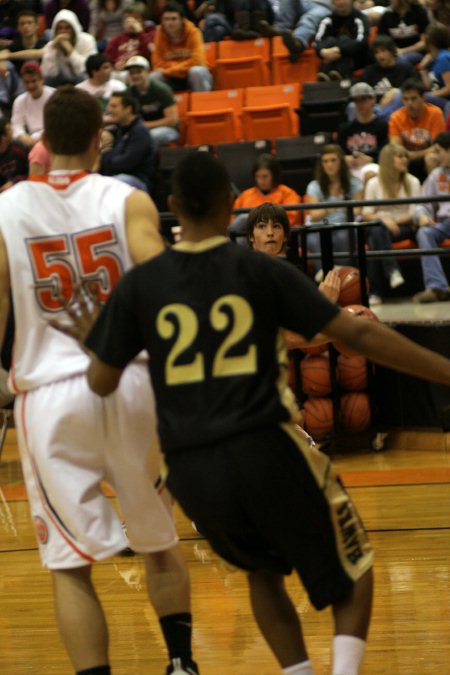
<point x="414" y="126"/>
<point x="178" y="56"/>
<point x="268" y="188"/>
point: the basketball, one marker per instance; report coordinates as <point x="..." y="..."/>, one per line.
<point x="316" y="349"/>
<point x="351" y="372"/>
<point x="319" y="420"/>
<point x="316" y="379"/>
<point x="355" y="412"/>
<point x="358" y="311"/>
<point x="295" y="341"/>
<point x="350" y="292"/>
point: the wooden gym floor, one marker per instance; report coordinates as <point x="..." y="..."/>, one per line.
<point x="403" y="495"/>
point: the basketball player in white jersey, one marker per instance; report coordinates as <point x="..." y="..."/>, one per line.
<point x="56" y="232"/>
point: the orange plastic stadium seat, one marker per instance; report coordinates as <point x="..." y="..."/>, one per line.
<point x="242" y="63"/>
<point x="283" y="71"/>
<point x="215" y="117"/>
<point x="270" y="112"/>
<point x="210" y="54"/>
<point x="237" y="49"/>
<point x="404" y="244"/>
<point x="182" y="101"/>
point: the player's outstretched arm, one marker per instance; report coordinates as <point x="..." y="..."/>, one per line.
<point x="4" y="289"/>
<point x="142" y="227"/>
<point x="388" y="347"/>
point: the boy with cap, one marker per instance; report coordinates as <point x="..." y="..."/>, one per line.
<point x="362" y="138"/>
<point x="157" y="106"/>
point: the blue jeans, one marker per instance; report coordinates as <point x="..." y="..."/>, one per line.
<point x="432" y="270"/>
<point x="198" y="79"/>
<point x="131" y="180"/>
<point x="163" y="135"/>
<point x="302" y="16"/>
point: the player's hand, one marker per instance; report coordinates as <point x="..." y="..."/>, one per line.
<point x="82" y="313"/>
<point x="331" y="286"/>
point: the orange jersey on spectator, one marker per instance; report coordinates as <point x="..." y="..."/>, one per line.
<point x="175" y="59"/>
<point x="417" y="134"/>
<point x="281" y="195"/>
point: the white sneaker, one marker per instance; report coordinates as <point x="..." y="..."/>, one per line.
<point x="375" y="299"/>
<point x="396" y="279"/>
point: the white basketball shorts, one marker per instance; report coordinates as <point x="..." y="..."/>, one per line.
<point x="70" y="440"/>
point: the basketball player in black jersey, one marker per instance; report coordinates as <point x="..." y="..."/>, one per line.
<point x="209" y="313"/>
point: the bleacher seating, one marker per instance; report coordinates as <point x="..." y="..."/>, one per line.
<point x="271" y="112"/>
<point x="215" y="117"/>
<point x="239" y="159"/>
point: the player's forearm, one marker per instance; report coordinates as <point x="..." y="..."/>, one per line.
<point x="102" y="379"/>
<point x="389" y="348"/>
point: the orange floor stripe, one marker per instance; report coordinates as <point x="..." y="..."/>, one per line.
<point x="420" y="476"/>
<point x="396" y="476"/>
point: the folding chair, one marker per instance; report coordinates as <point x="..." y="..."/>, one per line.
<point x="297" y="158"/>
<point x="283" y="71"/>
<point x="242" y="63"/>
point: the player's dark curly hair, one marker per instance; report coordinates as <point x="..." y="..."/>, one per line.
<point x="200" y="185"/>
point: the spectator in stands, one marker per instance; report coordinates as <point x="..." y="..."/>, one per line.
<point x="99" y="82"/>
<point x="297" y="22"/>
<point x="27" y="117"/>
<point x="27" y="27"/>
<point x="415" y="125"/>
<point x="106" y="20"/>
<point x="436" y="76"/>
<point x="157" y="106"/>
<point x="64" y="57"/>
<point x="387" y="74"/>
<point x="373" y="9"/>
<point x="10" y="87"/>
<point x="178" y="56"/>
<point x="215" y="19"/>
<point x="13" y="158"/>
<point x="127" y="151"/>
<point x="134" y="41"/>
<point x="406" y="22"/>
<point x="38" y="159"/>
<point x="79" y="7"/>
<point x="393" y="182"/>
<point x="268" y="188"/>
<point x="333" y="182"/>
<point x="438" y="11"/>
<point x="363" y="138"/>
<point x="434" y="224"/>
<point x="9" y="9"/>
<point x="342" y="41"/>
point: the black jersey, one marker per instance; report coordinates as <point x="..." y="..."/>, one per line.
<point x="209" y="315"/>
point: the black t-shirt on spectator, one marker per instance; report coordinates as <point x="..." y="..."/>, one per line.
<point x="405" y="30"/>
<point x="368" y="138"/>
<point x="384" y="79"/>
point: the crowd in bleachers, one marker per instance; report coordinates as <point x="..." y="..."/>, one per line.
<point x="360" y="87"/>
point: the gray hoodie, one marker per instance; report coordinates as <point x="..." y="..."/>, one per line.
<point x="55" y="63"/>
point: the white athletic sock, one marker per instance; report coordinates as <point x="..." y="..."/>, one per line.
<point x="303" y="668"/>
<point x="348" y="654"/>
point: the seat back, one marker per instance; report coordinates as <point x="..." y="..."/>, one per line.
<point x="235" y="49"/>
<point x="182" y="101"/>
<point x="245" y="71"/>
<point x="270" y="112"/>
<point x="239" y="159"/>
<point x="215" y="117"/>
<point x="283" y="71"/>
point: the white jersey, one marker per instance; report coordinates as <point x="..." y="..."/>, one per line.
<point x="61" y="229"/>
